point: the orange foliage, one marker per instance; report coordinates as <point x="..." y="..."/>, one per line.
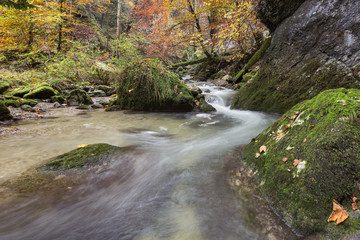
<point x="208" y="25"/>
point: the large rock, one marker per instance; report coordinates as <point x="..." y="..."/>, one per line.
<point x="324" y="134"/>
<point x="78" y="97"/>
<point x="273" y="12"/>
<point x="43" y="92"/>
<point x="148" y="86"/>
<point x="315" y="49"/>
<point x="84" y="157"/>
<point x="4" y="86"/>
<point x="4" y="112"/>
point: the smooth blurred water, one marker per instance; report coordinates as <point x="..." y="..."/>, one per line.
<point x="175" y="187"/>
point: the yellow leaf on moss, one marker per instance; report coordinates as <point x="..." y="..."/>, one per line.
<point x="262" y="149"/>
<point x="339" y="214"/>
<point x="82" y="145"/>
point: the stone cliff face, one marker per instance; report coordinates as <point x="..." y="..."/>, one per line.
<point x="315" y="46"/>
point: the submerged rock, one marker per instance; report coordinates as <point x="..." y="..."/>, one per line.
<point x="148" y="86"/>
<point x="86" y="156"/>
<point x="27" y="108"/>
<point x="312" y="156"/>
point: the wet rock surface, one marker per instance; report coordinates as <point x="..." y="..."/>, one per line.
<point x="314" y="49"/>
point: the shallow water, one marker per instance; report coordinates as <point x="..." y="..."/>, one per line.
<point x="176" y="188"/>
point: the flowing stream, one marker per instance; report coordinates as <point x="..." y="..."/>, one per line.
<point x="176" y="189"/>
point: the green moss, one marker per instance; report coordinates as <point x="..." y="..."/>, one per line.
<point x="83" y="107"/>
<point x="83" y="157"/>
<point x="58" y="98"/>
<point x="205" y="107"/>
<point x="256" y="57"/>
<point x="43" y="92"/>
<point x="77" y="97"/>
<point x="326" y="138"/>
<point x="4" y="112"/>
<point x="12" y="103"/>
<point x="271" y="92"/>
<point x="30" y="102"/>
<point x="21" y="91"/>
<point x="4" y="86"/>
<point x="147" y="85"/>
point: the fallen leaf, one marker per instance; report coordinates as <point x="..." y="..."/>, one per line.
<point x="353" y="202"/>
<point x="294" y="117"/>
<point x="82" y="145"/>
<point x="262" y="149"/>
<point x="339" y="214"/>
<point x="131" y="90"/>
<point x="257" y="155"/>
<point x="285" y="159"/>
<point x="280" y="135"/>
<point x="296" y="162"/>
<point x="354" y="206"/>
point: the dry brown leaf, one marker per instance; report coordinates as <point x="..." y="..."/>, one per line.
<point x="262" y="149"/>
<point x="353" y="202"/>
<point x="354" y="206"/>
<point x="339" y="214"/>
<point x="285" y="159"/>
<point x="296" y="162"/>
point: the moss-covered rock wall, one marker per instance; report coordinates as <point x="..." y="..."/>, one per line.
<point x="314" y="49"/>
<point x="312" y="156"/>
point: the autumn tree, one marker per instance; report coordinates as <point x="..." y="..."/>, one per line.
<point x="211" y="26"/>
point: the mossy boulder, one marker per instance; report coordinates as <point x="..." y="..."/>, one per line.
<point x="58" y="98"/>
<point x="43" y="92"/>
<point x="271" y="92"/>
<point x="77" y="97"/>
<point x="12" y="103"/>
<point x="4" y="86"/>
<point x="91" y="155"/>
<point x="30" y="102"/>
<point x="21" y="91"/>
<point x="324" y="134"/>
<point x="205" y="107"/>
<point x="4" y="112"/>
<point x="147" y="85"/>
<point x="109" y="90"/>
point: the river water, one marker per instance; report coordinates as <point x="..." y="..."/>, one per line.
<point x="176" y="189"/>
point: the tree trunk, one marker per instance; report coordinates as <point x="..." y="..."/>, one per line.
<point x="31" y="31"/>
<point x="198" y="27"/>
<point x="60" y="28"/>
<point x="118" y="27"/>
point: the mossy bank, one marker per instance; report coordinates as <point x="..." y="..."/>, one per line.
<point x="324" y="134"/>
